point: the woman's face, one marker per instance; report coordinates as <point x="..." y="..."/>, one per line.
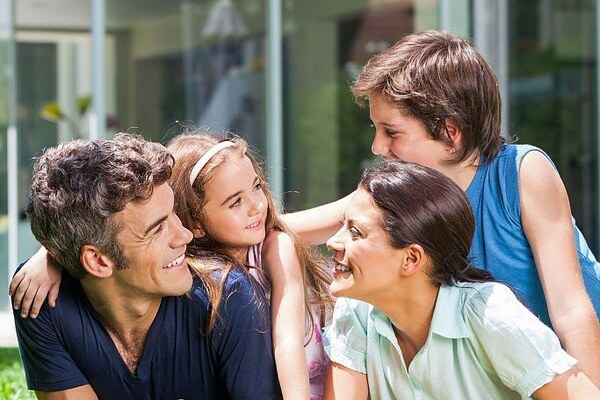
<point x="365" y="264"/>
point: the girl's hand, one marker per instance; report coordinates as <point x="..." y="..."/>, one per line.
<point x="37" y="280"/>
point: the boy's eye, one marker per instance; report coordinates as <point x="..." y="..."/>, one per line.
<point x="391" y="133"/>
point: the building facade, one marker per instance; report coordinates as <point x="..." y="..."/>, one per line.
<point x="276" y="72"/>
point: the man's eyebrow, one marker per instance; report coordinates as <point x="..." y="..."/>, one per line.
<point x="155" y="224"/>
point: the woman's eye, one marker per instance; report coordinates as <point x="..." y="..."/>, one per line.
<point x="355" y="232"/>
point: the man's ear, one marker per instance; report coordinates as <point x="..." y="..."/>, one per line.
<point x="95" y="262"/>
<point x="413" y="259"/>
<point x="453" y="133"/>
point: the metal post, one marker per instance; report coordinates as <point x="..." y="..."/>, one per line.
<point x="7" y="32"/>
<point x="98" y="110"/>
<point x="274" y="112"/>
<point x="597" y="125"/>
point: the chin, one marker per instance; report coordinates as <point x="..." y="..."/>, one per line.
<point x="183" y="286"/>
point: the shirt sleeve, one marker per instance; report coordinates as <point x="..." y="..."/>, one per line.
<point x="48" y="366"/>
<point x="524" y="353"/>
<point x="345" y="340"/>
<point x="242" y="343"/>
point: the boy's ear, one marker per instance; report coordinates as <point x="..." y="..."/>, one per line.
<point x="95" y="262"/>
<point x="453" y="133"/>
<point x="413" y="259"/>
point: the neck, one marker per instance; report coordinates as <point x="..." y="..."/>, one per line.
<point x="410" y="311"/>
<point x="126" y="317"/>
<point x="462" y="173"/>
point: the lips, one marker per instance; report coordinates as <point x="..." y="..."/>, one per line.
<point x="255" y="225"/>
<point x="176" y="262"/>
<point x="339" y="268"/>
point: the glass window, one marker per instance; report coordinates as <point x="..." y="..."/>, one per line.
<point x="188" y="63"/>
<point x="327" y="137"/>
<point x="552" y="76"/>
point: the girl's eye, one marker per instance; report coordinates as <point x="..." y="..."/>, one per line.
<point x="258" y="186"/>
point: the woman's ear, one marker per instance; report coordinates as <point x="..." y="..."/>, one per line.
<point x="95" y="262"/>
<point x="453" y="133"/>
<point x="413" y="259"/>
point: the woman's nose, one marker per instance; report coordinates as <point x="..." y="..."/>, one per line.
<point x="335" y="243"/>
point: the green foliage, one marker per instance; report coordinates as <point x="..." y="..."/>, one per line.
<point x="12" y="376"/>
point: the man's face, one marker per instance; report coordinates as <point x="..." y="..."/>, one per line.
<point x="153" y="242"/>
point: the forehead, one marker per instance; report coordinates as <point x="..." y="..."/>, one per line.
<point x="137" y="215"/>
<point x="363" y="209"/>
<point x="235" y="172"/>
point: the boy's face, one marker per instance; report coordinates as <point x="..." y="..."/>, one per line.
<point x="402" y="137"/>
<point x="153" y="241"/>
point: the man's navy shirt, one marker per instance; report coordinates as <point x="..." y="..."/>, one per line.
<point x="67" y="346"/>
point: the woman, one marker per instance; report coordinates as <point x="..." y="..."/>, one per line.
<point x="434" y="325"/>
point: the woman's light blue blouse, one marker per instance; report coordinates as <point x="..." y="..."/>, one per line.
<point x="483" y="343"/>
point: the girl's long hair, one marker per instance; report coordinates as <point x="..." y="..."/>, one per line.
<point x="207" y="254"/>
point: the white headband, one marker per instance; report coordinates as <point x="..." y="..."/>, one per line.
<point x="206" y="158"/>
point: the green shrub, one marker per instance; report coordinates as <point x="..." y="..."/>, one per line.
<point x="12" y="376"/>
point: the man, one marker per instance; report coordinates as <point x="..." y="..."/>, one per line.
<point x="130" y="320"/>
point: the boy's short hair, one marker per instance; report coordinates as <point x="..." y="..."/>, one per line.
<point x="433" y="76"/>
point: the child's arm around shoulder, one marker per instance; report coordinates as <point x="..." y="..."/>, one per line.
<point x="318" y="224"/>
<point x="546" y="218"/>
<point x="282" y="266"/>
<point x="38" y="279"/>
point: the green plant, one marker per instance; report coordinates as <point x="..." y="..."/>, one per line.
<point x="12" y="376"/>
<point x="53" y="113"/>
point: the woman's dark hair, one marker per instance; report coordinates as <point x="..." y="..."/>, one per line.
<point x="422" y="206"/>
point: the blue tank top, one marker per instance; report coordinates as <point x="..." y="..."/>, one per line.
<point x="500" y="245"/>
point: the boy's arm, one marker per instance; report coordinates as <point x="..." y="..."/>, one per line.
<point x="288" y="314"/>
<point x="546" y="218"/>
<point x="572" y="385"/>
<point x="38" y="279"/>
<point x="318" y="224"/>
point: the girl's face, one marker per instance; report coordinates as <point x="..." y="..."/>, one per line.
<point x="402" y="137"/>
<point x="364" y="261"/>
<point x="236" y="207"/>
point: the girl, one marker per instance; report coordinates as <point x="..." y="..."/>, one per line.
<point x="434" y="327"/>
<point x="435" y="101"/>
<point x="222" y="197"/>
